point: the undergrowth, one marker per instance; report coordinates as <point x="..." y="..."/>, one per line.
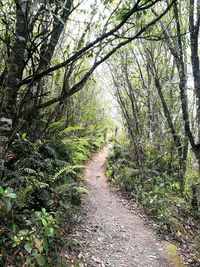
<point x="40" y="192"/>
<point x="155" y="187"/>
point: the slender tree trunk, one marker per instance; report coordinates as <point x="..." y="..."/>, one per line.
<point x="176" y="138"/>
<point x="194" y="45"/>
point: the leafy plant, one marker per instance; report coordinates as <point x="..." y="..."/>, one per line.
<point x="6" y="199"/>
<point x="46" y="177"/>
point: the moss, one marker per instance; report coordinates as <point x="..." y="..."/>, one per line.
<point x="173" y="253"/>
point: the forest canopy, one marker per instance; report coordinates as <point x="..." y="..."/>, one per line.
<point x="49" y="42"/>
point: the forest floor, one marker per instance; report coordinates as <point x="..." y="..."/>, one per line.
<point x="113" y="232"/>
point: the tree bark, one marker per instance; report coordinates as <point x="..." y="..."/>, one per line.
<point x="177" y="141"/>
<point x="14" y="75"/>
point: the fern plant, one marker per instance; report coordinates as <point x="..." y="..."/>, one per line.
<point x="67" y="174"/>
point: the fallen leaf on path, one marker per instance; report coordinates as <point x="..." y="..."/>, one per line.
<point x="80" y="255"/>
<point x="97" y="261"/>
<point x="67" y="257"/>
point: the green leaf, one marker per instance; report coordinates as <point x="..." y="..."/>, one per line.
<point x="16" y="241"/>
<point x="15" y="228"/>
<point x="1" y="191"/>
<point x="8" y="205"/>
<point x="82" y="190"/>
<point x="23" y="233"/>
<point x="51" y="230"/>
<point x="23" y="136"/>
<point x="28" y="222"/>
<point x="43" y="210"/>
<point x="45" y="245"/>
<point x="11" y="195"/>
<point x="44" y="222"/>
<point x="8" y="190"/>
<point x="28" y="247"/>
<point x="40" y="259"/>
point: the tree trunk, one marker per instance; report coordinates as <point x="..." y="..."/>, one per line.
<point x="10" y="88"/>
<point x="176" y="137"/>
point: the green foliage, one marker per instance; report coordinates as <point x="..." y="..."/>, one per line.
<point x="6" y="200"/>
<point x="41" y="190"/>
<point x="154" y="186"/>
<point x="121" y="12"/>
<point x="37" y="238"/>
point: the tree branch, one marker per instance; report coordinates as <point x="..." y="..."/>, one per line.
<point x="77" y="87"/>
<point x="77" y="55"/>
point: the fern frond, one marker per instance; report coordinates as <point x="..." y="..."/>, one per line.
<point x="32" y="180"/>
<point x="30" y="171"/>
<point x="82" y="190"/>
<point x="50" y="151"/>
<point x="24" y="196"/>
<point x="61" y="163"/>
<point x="65" y="170"/>
<point x="70" y="129"/>
<point x="63" y="188"/>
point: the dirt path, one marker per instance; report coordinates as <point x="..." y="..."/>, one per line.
<point x="111" y="233"/>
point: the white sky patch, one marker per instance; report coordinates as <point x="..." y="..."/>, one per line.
<point x="105" y="81"/>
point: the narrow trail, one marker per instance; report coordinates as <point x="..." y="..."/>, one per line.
<point x="112" y="234"/>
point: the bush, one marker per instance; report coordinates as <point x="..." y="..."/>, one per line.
<point x="41" y="190"/>
<point x="156" y="189"/>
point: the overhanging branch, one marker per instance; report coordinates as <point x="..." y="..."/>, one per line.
<point x="78" y="86"/>
<point x="74" y="57"/>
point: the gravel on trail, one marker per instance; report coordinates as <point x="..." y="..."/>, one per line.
<point x="112" y="233"/>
